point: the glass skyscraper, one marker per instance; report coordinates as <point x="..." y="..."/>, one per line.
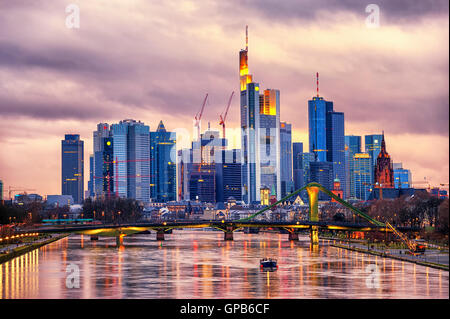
<point x="326" y="136"/>
<point x="336" y="145"/>
<point x="352" y="146"/>
<point x="287" y="183"/>
<point x="322" y="173"/>
<point x="260" y="135"/>
<point x="372" y="146"/>
<point x="362" y="175"/>
<point x="163" y="185"/>
<point x="402" y="176"/>
<point x="72" y="173"/>
<point x="317" y="127"/>
<point x="297" y="164"/>
<point x="122" y="160"/>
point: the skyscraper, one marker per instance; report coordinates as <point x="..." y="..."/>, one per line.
<point x="336" y="146"/>
<point x="402" y="176"/>
<point x="228" y="176"/>
<point x="122" y="160"/>
<point x="307" y="159"/>
<point x="72" y="172"/>
<point x="91" y="176"/>
<point x="326" y="135"/>
<point x="98" y="145"/>
<point x="317" y="127"/>
<point x="352" y="146"/>
<point x="362" y="176"/>
<point x="287" y="183"/>
<point x="297" y="164"/>
<point x="269" y="130"/>
<point x="260" y="134"/>
<point x="372" y="146"/>
<point x="322" y="173"/>
<point x="163" y="164"/>
<point x="1" y="190"/>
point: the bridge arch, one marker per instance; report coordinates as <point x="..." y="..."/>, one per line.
<point x="313" y="190"/>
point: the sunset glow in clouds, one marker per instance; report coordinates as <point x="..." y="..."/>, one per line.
<point x="156" y="60"/>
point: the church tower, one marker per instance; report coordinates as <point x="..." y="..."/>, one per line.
<point x="384" y="172"/>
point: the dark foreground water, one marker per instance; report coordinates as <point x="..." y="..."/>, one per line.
<point x="200" y="264"/>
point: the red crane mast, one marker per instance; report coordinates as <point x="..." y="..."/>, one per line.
<point x="224" y="117"/>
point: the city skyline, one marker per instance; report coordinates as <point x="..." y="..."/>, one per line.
<point x="33" y="124"/>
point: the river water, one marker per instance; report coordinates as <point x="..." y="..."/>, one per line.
<point x="200" y="264"/>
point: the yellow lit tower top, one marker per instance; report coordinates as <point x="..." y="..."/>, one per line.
<point x="243" y="64"/>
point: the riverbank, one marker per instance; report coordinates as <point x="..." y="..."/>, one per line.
<point x="20" y="250"/>
<point x="387" y="255"/>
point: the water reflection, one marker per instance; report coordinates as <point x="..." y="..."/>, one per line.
<point x="199" y="264"/>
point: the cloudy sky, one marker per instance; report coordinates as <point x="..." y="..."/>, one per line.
<point x="156" y="60"/>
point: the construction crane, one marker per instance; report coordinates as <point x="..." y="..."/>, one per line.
<point x="198" y="116"/>
<point x="224" y="117"/>
<point x="414" y="248"/>
<point x="12" y="189"/>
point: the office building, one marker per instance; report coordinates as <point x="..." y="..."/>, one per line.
<point x="322" y="173"/>
<point x="336" y="145"/>
<point x="91" y="176"/>
<point x="122" y="160"/>
<point x="402" y="176"/>
<point x="362" y="176"/>
<point x="307" y="159"/>
<point x="163" y="184"/>
<point x="228" y="176"/>
<point x="372" y="146"/>
<point x="287" y="183"/>
<point x="297" y="164"/>
<point x="352" y="147"/>
<point x="72" y="167"/>
<point x="260" y="135"/>
<point x="326" y="136"/>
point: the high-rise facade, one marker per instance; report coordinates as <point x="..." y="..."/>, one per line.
<point x="402" y="176"/>
<point x="326" y="136"/>
<point x="317" y="127"/>
<point x="372" y="146"/>
<point x="322" y="173"/>
<point x="307" y="159"/>
<point x="91" y="176"/>
<point x="163" y="184"/>
<point x="1" y="190"/>
<point x="228" y="176"/>
<point x="260" y="135"/>
<point x="362" y="176"/>
<point x="336" y="145"/>
<point x="297" y="164"/>
<point x="287" y="183"/>
<point x="122" y="160"/>
<point x="352" y="147"/>
<point x="269" y="137"/>
<point x="72" y="173"/>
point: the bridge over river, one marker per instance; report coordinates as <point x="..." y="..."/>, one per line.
<point x="228" y="227"/>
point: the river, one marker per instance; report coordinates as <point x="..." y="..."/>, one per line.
<point x="200" y="264"/>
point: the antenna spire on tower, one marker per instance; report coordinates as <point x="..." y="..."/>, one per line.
<point x="317" y="77"/>
<point x="246" y="38"/>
